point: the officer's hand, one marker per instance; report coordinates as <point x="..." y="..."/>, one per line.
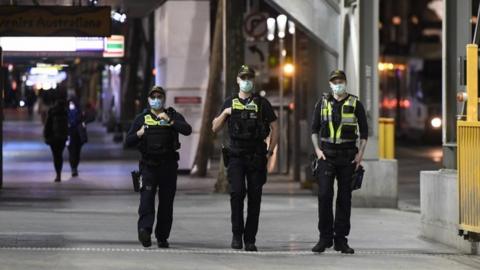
<point x="269" y="154"/>
<point x="357" y="161"/>
<point x="320" y="154"/>
<point x="141" y="131"/>
<point x="228" y="111"/>
<point x="164" y="116"/>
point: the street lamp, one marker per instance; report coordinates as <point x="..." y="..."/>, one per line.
<point x="281" y="24"/>
<point x="271" y="29"/>
<point x="281" y="21"/>
<point x="288" y="69"/>
<point x="296" y="101"/>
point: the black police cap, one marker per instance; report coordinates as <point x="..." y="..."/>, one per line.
<point x="337" y="74"/>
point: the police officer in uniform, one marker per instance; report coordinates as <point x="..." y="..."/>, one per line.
<point x="156" y="131"/>
<point x="250" y="119"/>
<point x="338" y="119"/>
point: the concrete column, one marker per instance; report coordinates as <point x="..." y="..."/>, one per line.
<point x="369" y="50"/>
<point x="182" y="52"/>
<point x="455" y="36"/>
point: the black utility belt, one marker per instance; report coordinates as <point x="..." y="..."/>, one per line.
<point x="160" y="157"/>
<point x="341" y="146"/>
<point x="239" y="152"/>
<point x="340" y="152"/>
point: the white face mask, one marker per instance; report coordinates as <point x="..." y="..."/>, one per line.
<point x="71" y="106"/>
<point x="338" y="89"/>
<point x="246" y="86"/>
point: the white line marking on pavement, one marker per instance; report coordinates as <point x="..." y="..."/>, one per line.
<point x="228" y="251"/>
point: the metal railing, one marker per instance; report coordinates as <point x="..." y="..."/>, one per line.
<point x="468" y="152"/>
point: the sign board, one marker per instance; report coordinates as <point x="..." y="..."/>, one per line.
<point x="55" y="21"/>
<point x="185" y="100"/>
<point x="114" y="46"/>
<point x="256" y="56"/>
<point x="255" y="25"/>
<point x="63" y="46"/>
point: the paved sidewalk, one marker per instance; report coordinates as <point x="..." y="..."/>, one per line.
<point x="90" y="222"/>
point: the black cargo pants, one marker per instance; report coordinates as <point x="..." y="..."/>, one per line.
<point x="161" y="177"/>
<point x="337" y="165"/>
<point x="247" y="173"/>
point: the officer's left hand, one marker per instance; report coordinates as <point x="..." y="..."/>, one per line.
<point x="357" y="160"/>
<point x="164" y="116"/>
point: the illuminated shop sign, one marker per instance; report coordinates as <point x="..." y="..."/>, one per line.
<point x="106" y="47"/>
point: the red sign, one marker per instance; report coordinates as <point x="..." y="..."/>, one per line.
<point x="188" y="100"/>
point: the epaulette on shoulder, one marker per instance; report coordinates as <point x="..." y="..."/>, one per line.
<point x="170" y="110"/>
<point x="326" y="96"/>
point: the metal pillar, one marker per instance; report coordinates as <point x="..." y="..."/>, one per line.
<point x="455" y="35"/>
<point x="281" y="153"/>
<point x="296" y="114"/>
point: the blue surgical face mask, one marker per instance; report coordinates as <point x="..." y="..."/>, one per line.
<point x="338" y="89"/>
<point x="156" y="103"/>
<point x="246" y="86"/>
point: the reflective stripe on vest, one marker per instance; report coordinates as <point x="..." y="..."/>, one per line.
<point x="237" y="105"/>
<point x="348" y="119"/>
<point x="149" y="121"/>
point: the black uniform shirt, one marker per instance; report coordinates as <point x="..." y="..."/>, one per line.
<point x="337" y="118"/>
<point x="267" y="112"/>
<point x="179" y="125"/>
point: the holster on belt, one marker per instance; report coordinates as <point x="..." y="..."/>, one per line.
<point x="226" y="156"/>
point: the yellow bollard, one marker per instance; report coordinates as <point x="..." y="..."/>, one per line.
<point x="386" y="138"/>
<point x="389" y="138"/>
<point x="381" y="138"/>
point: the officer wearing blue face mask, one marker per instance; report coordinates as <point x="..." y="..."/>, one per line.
<point x="339" y="123"/>
<point x="155" y="131"/>
<point x="250" y="119"/>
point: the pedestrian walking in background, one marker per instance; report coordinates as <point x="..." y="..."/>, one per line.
<point x="55" y="133"/>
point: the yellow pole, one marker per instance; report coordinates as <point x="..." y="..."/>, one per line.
<point x="472" y="83"/>
<point x="389" y="138"/>
<point x="381" y="138"/>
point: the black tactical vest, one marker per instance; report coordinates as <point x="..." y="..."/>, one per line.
<point x="160" y="138"/>
<point x="246" y="126"/>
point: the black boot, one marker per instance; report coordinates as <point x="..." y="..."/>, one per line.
<point x="250" y="247"/>
<point x="237" y="242"/>
<point x="57" y="179"/>
<point x="74" y="172"/>
<point x="322" y="245"/>
<point x="342" y="246"/>
<point x="144" y="238"/>
<point x="163" y="243"/>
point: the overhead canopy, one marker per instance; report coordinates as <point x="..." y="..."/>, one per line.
<point x="320" y="18"/>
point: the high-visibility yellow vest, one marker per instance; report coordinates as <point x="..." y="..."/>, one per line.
<point x="347" y="131"/>
<point x="149" y="121"/>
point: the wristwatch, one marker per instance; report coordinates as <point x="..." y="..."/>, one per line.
<point x="270" y="153"/>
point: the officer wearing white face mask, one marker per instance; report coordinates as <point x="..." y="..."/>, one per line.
<point x="155" y="131"/>
<point x="339" y="123"/>
<point x="250" y="119"/>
